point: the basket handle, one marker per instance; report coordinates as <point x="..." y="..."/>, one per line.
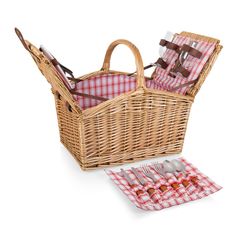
<point x="137" y="56"/>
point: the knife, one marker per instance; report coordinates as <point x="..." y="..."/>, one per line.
<point x="130" y="182"/>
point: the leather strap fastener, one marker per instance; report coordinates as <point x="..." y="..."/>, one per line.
<point x="169" y="45"/>
<point x="179" y="69"/>
<point x="162" y="63"/>
<point x="191" y="51"/>
<point x="89" y="96"/>
<point x="159" y="61"/>
<point x="182" y="71"/>
<point x="55" y="62"/>
<point x="66" y="70"/>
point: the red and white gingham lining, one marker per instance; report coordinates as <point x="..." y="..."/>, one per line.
<point x="107" y="86"/>
<point x="192" y="64"/>
<point x="112" y="85"/>
<point x="205" y="187"/>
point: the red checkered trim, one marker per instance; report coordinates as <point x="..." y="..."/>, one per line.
<point x="159" y="200"/>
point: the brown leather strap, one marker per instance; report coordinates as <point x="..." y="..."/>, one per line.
<point x="182" y="71"/>
<point x="74" y="79"/>
<point x="191" y="51"/>
<point x="162" y="63"/>
<point x="89" y="96"/>
<point x="68" y="71"/>
<point x="159" y="61"/>
<point x="169" y="45"/>
<point x="184" y="85"/>
<point x="20" y="36"/>
<point x="55" y="62"/>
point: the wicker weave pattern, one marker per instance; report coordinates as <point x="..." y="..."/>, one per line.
<point x="137" y="125"/>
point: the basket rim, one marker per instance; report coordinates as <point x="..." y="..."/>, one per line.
<point x="92" y="110"/>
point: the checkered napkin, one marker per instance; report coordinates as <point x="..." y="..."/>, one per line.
<point x="199" y="186"/>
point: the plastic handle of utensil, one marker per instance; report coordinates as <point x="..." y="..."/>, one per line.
<point x="194" y="179"/>
<point x="163" y="188"/>
<point x="138" y="192"/>
<point x="185" y="183"/>
<point x="175" y="186"/>
<point x="151" y="191"/>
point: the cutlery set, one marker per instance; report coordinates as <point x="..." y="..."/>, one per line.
<point x="160" y="185"/>
<point x="168" y="180"/>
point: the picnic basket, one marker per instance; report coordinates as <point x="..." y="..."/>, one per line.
<point x="136" y="125"/>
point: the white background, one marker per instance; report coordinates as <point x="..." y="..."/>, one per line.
<point x="42" y="189"/>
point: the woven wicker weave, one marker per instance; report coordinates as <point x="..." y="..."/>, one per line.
<point x="136" y="125"/>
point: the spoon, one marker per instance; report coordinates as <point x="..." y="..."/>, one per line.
<point x="180" y="167"/>
<point x="170" y="168"/>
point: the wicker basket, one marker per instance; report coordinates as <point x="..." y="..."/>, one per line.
<point x="137" y="125"/>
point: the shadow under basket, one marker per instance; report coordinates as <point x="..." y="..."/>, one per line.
<point x="135" y="125"/>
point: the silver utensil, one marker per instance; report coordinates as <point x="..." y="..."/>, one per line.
<point x="127" y="177"/>
<point x="130" y="182"/>
<point x="139" y="176"/>
<point x="179" y="166"/>
<point x="159" y="169"/>
<point x="184" y="55"/>
<point x="168" y="167"/>
<point x="142" y="181"/>
<point x="146" y="170"/>
<point x="168" y="37"/>
<point x="148" y="173"/>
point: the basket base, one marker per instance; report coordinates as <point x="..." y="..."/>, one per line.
<point x="125" y="158"/>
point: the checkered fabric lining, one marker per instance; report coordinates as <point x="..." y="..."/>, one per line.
<point x="107" y="86"/>
<point x="204" y="187"/>
<point x="192" y="64"/>
<point x="112" y="85"/>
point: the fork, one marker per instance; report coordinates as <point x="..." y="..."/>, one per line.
<point x="146" y="170"/>
<point x="159" y="169"/>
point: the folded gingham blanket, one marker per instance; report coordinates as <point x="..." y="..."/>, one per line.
<point x="203" y="187"/>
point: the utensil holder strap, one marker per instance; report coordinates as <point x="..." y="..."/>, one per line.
<point x="169" y="45"/>
<point x="191" y="51"/>
<point x="137" y="56"/>
<point x="179" y="69"/>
